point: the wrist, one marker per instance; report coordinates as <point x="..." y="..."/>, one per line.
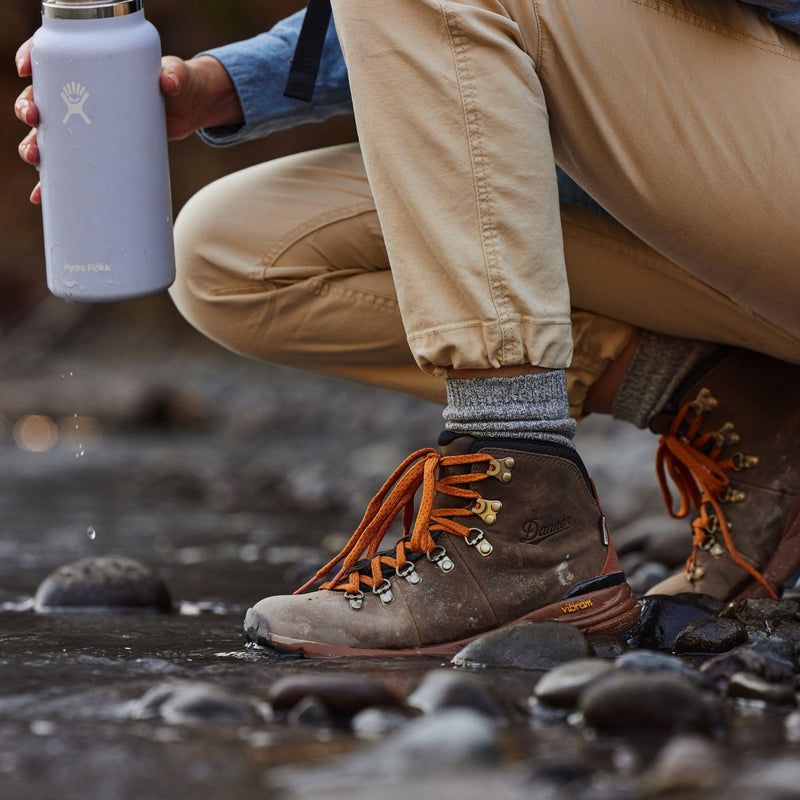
<point x="222" y="106"/>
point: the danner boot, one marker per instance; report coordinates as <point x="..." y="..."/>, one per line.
<point x="731" y="445"/>
<point x="505" y="531"/>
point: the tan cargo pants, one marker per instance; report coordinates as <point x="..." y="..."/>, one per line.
<point x="680" y="117"/>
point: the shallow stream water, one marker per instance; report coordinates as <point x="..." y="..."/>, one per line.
<point x="233" y="481"/>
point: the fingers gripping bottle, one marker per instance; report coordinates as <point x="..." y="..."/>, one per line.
<point x="106" y="204"/>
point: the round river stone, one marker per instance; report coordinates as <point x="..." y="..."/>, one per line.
<point x="529" y="645"/>
<point x="344" y="695"/>
<point x="634" y="702"/>
<point x="710" y="636"/>
<point x="104" y="582"/>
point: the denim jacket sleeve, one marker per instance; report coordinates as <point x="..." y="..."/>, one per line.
<point x="785" y="13"/>
<point x="259" y="68"/>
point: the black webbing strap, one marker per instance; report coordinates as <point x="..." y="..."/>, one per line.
<point x="308" y="52"/>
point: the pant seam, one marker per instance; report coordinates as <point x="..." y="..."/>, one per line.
<point x="458" y="45"/>
<point x="693" y="18"/>
<point x="539" y="323"/>
<point x="316" y="223"/>
<point x="320" y="287"/>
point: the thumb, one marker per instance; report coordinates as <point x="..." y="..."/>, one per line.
<point x="173" y="75"/>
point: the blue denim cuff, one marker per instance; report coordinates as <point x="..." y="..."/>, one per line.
<point x="259" y="68"/>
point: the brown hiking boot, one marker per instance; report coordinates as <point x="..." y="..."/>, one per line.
<point x="505" y="532"/>
<point x="731" y="445"/>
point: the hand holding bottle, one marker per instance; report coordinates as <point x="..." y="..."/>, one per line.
<point x="198" y="93"/>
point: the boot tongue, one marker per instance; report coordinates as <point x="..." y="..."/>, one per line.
<point x="454" y="444"/>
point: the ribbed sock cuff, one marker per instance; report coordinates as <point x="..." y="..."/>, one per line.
<point x="521" y="407"/>
<point x="659" y="365"/>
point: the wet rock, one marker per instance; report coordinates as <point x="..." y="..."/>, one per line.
<point x="447" y="688"/>
<point x="686" y="764"/>
<point x="777" y="778"/>
<point x="773" y="660"/>
<point x="310" y="711"/>
<point x="180" y="704"/>
<point x="375" y="723"/>
<point x="751" y="687"/>
<point x="764" y="613"/>
<point x="646" y="575"/>
<point x="454" y="737"/>
<point x="625" y="703"/>
<point x="529" y="645"/>
<point x="107" y="582"/>
<point x="652" y="662"/>
<point x="789" y="631"/>
<point x="710" y="636"/>
<point x="605" y="646"/>
<point x="342" y="695"/>
<point x="562" y="686"/>
<point x="663" y="617"/>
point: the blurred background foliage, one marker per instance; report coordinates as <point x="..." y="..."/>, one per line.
<point x="186" y="27"/>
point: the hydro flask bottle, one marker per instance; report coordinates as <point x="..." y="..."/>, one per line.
<point x="106" y="204"/>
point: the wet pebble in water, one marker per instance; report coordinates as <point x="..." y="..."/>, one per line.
<point x="710" y="636"/>
<point x="686" y="764"/>
<point x="341" y="695"/>
<point x="624" y="703"/>
<point x="771" y="659"/>
<point x="529" y="645"/>
<point x="447" y="688"/>
<point x="604" y="646"/>
<point x="190" y="703"/>
<point x="562" y="686"/>
<point x="663" y="618"/>
<point x="310" y="711"/>
<point x="751" y="687"/>
<point x="109" y="582"/>
<point x="374" y="723"/>
<point x="764" y="613"/>
<point x="453" y="737"/>
<point x="653" y="662"/>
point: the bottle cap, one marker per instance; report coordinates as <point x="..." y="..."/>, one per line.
<point x="89" y="9"/>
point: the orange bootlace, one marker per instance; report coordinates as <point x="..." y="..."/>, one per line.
<point x="693" y="463"/>
<point x="396" y="495"/>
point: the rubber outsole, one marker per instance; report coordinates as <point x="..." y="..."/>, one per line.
<point x="611" y="611"/>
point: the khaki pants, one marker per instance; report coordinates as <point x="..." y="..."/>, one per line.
<point x="680" y="118"/>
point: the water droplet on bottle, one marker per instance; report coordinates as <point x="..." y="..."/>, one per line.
<point x="91" y="533"/>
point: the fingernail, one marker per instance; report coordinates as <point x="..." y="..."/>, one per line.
<point x="174" y="79"/>
<point x="19" y="62"/>
<point x="23" y="107"/>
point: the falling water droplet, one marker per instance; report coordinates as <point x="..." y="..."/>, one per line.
<point x="91" y="533"/>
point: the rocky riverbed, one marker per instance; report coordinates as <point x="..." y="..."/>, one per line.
<point x="149" y="468"/>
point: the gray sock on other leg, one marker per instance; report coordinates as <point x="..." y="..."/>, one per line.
<point x="659" y="365"/>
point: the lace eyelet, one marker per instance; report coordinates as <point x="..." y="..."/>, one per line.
<point x="409" y="574"/>
<point x="384" y="591"/>
<point x="356" y="600"/>
<point x="479" y="542"/>
<point x="439" y="557"/>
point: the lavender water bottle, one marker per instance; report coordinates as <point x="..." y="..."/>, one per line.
<point x="102" y="138"/>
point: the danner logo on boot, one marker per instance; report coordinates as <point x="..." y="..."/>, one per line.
<point x="536" y="531"/>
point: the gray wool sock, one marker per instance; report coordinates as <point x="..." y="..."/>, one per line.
<point x="658" y="366"/>
<point x="522" y="407"/>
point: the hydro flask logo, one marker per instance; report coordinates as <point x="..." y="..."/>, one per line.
<point x="75" y="96"/>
